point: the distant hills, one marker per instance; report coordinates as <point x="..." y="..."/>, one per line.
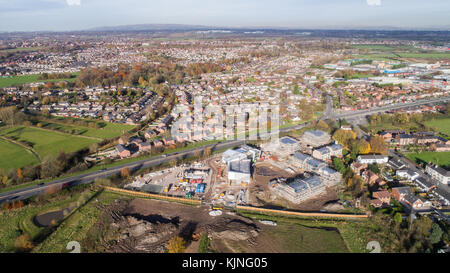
<point x="186" y="27"/>
<point x="151" y="27"/>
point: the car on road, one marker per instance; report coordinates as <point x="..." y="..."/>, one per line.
<point x="41" y="184"/>
<point x="164" y="155"/>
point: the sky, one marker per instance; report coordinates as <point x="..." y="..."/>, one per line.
<point x="65" y="15"/>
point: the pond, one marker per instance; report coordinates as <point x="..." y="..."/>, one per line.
<point x="49" y="218"/>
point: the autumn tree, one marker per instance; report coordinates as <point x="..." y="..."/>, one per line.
<point x="322" y="125"/>
<point x="344" y="137"/>
<point x="172" y="163"/>
<point x="176" y="245"/>
<point x="11" y="115"/>
<point x="361" y="146"/>
<point x="19" y="174"/>
<point x="93" y="148"/>
<point x="377" y="145"/>
<point x="23" y="243"/>
<point x="125" y="172"/>
<point x="207" y="152"/>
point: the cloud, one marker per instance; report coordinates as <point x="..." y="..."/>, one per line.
<point x="374" y="2"/>
<point x="78" y="2"/>
<point x="30" y="5"/>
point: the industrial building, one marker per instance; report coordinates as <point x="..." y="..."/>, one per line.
<point x="232" y="155"/>
<point x="239" y="171"/>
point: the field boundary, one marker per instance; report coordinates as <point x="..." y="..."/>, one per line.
<point x="29" y="149"/>
<point x="154" y="196"/>
<point x="63" y="133"/>
<point x="303" y="214"/>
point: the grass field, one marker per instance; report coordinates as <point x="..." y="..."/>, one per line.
<point x="437" y="55"/>
<point x="439" y="158"/>
<point x="21" y="49"/>
<point x="14" y="156"/>
<point x="405" y="55"/>
<point x="46" y="142"/>
<point x="23" y="79"/>
<point x="111" y="130"/>
<point x="374" y="47"/>
<point x="116" y="163"/>
<point x="349" y="238"/>
<point x="441" y="125"/>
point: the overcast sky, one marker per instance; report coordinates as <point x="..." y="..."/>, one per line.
<point x="32" y="15"/>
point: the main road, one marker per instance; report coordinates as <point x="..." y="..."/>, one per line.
<point x="24" y="193"/>
<point x="382" y="109"/>
<point x="27" y="192"/>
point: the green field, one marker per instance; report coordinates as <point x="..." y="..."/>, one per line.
<point x="23" y="79"/>
<point x="21" y="49"/>
<point x="377" y="47"/>
<point x="46" y="142"/>
<point x="437" y="55"/>
<point x="14" y="156"/>
<point x="439" y="158"/>
<point x="404" y="55"/>
<point x="441" y="125"/>
<point x="374" y="47"/>
<point x="110" y="130"/>
<point x="322" y="234"/>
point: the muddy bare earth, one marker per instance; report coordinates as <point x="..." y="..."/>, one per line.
<point x="143" y="225"/>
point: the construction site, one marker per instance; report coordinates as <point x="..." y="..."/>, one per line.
<point x="188" y="180"/>
<point x="279" y="173"/>
<point x="146" y="226"/>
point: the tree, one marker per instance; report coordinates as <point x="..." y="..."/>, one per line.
<point x="344" y="137"/>
<point x="362" y="146"/>
<point x="52" y="189"/>
<point x="19" y="174"/>
<point x="398" y="217"/>
<point x="176" y="245"/>
<point x="401" y="118"/>
<point x="374" y="119"/>
<point x="93" y="148"/>
<point x="23" y="243"/>
<point x="172" y="163"/>
<point x="377" y="145"/>
<point x="207" y="152"/>
<point x="374" y="168"/>
<point x="436" y="233"/>
<point x="322" y="125"/>
<point x="11" y="116"/>
<point x="50" y="167"/>
<point x="338" y="165"/>
<point x="125" y="172"/>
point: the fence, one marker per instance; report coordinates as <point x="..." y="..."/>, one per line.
<point x="304" y="214"/>
<point x="155" y="196"/>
